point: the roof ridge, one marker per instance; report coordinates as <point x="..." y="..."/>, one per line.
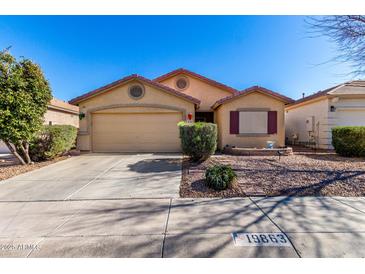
<point x="250" y="89"/>
<point x="270" y="92"/>
<point x="196" y="75"/>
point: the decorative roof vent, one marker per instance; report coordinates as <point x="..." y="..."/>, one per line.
<point x="182" y="83"/>
<point x="136" y="91"/>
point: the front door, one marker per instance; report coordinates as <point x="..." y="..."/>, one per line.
<point x="207" y="117"/>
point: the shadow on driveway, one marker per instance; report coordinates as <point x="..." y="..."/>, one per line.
<point x="156" y="165"/>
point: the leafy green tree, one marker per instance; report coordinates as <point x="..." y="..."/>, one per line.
<point x="24" y="96"/>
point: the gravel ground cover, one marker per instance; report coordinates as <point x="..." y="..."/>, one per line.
<point x="10" y="166"/>
<point x="301" y="174"/>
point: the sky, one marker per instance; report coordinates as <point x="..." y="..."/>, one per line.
<point x="81" y="53"/>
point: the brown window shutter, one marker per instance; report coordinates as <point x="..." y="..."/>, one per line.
<point x="272" y="122"/>
<point x="234" y="122"/>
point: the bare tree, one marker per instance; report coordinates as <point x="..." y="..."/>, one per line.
<point x="348" y="32"/>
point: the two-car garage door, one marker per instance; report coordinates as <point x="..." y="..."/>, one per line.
<point x="135" y="132"/>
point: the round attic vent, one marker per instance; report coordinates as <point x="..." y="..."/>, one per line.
<point x="182" y="83"/>
<point x="136" y="91"/>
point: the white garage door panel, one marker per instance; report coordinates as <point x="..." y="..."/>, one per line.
<point x="351" y="118"/>
<point x="137" y="132"/>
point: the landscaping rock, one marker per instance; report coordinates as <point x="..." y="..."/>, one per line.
<point x="11" y="167"/>
<point x="302" y="174"/>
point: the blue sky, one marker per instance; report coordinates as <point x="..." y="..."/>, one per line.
<point x="81" y="53"/>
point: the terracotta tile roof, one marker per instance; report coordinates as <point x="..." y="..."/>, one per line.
<point x="249" y="90"/>
<point x="196" y="75"/>
<point x="130" y="78"/>
<point x="60" y="105"/>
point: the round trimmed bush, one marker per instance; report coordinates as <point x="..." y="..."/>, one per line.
<point x="219" y="177"/>
<point x="52" y="141"/>
<point x="198" y="140"/>
<point x="349" y="140"/>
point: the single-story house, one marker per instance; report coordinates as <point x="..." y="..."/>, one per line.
<point x="309" y="120"/>
<point x="58" y="113"/>
<point x="136" y="114"/>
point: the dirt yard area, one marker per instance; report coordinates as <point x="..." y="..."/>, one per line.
<point x="10" y="166"/>
<point x="301" y="174"/>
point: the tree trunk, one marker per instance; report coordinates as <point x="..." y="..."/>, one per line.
<point x="24" y="147"/>
<point x="27" y="151"/>
<point x="13" y="150"/>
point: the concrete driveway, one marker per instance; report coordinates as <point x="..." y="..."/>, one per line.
<point x="98" y="176"/>
<point x="126" y="206"/>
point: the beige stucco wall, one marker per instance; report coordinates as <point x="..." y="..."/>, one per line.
<point x="117" y="100"/>
<point x="199" y="89"/>
<point x="295" y="122"/>
<point x="61" y="118"/>
<point x="253" y="100"/>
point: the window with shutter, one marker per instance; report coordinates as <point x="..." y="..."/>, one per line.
<point x="253" y="122"/>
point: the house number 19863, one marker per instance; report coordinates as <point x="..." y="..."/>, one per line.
<point x="260" y="239"/>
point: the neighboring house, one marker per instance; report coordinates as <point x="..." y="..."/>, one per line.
<point x="309" y="120"/>
<point x="135" y="114"/>
<point x="58" y="113"/>
<point x="61" y="113"/>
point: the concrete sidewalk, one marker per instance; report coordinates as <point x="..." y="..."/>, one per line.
<point x="316" y="227"/>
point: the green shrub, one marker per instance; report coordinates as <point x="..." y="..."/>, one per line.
<point x="198" y="140"/>
<point x="219" y="177"/>
<point x="53" y="141"/>
<point x="349" y="141"/>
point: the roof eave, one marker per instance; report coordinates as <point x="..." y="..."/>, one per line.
<point x="130" y="78"/>
<point x="215" y="106"/>
<point x="66" y="110"/>
<point x="102" y="89"/>
<point x="284" y="99"/>
<point x="195" y="75"/>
